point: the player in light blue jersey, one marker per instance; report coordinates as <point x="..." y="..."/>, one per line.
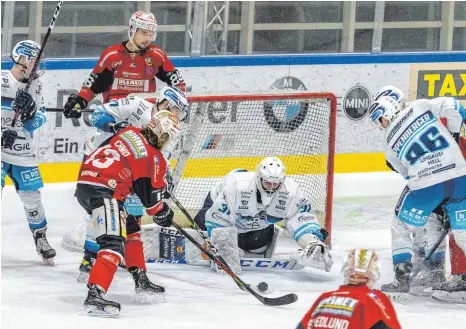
<point x="424" y="151"/>
<point x="19" y="161"/>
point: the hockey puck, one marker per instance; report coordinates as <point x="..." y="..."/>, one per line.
<point x="263" y="286"/>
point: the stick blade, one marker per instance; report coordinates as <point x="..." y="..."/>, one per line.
<point x="278" y="301"/>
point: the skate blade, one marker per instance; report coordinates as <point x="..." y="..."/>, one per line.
<point x="449" y="297"/>
<point x="398" y="297"/>
<point x="83" y="277"/>
<point x="107" y="312"/>
<point x="421" y="291"/>
<point x="149" y="298"/>
<point x="48" y="261"/>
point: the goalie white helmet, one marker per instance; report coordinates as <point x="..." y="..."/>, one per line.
<point x="385" y="107"/>
<point x="166" y="127"/>
<point x="29" y="50"/>
<point x="177" y="101"/>
<point x="361" y="266"/>
<point x="142" y="20"/>
<point x="270" y="174"/>
<point x="390" y="91"/>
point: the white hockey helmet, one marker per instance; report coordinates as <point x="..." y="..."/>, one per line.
<point x="270" y="174"/>
<point x="390" y="91"/>
<point x="361" y="266"/>
<point x="142" y="20"/>
<point x="166" y="127"/>
<point x="177" y="101"/>
<point x="385" y="107"/>
<point x="30" y="51"/>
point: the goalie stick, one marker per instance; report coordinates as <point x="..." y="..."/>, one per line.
<point x="37" y="62"/>
<point x="210" y="252"/>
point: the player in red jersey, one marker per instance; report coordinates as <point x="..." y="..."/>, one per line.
<point x="355" y="305"/>
<point x="129" y="162"/>
<point x="128" y="67"/>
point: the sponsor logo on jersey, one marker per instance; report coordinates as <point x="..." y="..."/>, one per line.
<point x="343" y="306"/>
<point x="295" y="111"/>
<point x="128" y="74"/>
<point x="399" y="124"/>
<point x="244" y="204"/>
<point x="149" y="70"/>
<point x="412" y="129"/>
<point x="441" y="83"/>
<point x="356" y="103"/>
<point x="122" y="148"/>
<point x="460" y="219"/>
<point x="112" y="183"/>
<point x="89" y="173"/>
<point x="135" y="143"/>
<point x="131" y="82"/>
<point x="132" y="65"/>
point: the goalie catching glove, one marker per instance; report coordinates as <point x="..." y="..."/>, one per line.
<point x="315" y="254"/>
<point x="164" y="217"/>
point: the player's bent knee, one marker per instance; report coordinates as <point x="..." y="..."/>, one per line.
<point x="114" y="243"/>
<point x="133" y="224"/>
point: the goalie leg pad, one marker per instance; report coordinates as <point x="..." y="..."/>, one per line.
<point x="225" y="239"/>
<point x="104" y="269"/>
<point x="34" y="209"/>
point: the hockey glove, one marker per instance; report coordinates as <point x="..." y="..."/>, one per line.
<point x="118" y="126"/>
<point x="315" y="254"/>
<point x="170" y="186"/>
<point x="9" y="138"/>
<point x="73" y="106"/>
<point x="26" y="104"/>
<point x="164" y="217"/>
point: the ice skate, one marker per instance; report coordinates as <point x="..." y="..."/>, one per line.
<point x="43" y="247"/>
<point x="96" y="305"/>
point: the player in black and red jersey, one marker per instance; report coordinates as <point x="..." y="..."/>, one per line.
<point x="129" y="162"/>
<point x="128" y="67"/>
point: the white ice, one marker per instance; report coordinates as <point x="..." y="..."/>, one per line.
<point x="36" y="296"/>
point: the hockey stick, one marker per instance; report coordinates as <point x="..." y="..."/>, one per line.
<point x="56" y="110"/>
<point x="277" y="301"/>
<point x="37" y="62"/>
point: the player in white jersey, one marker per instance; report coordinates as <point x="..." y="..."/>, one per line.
<point x="109" y="119"/>
<point x="433" y="272"/>
<point x="246" y="205"/>
<point x="421" y="149"/>
<point x="19" y="161"/>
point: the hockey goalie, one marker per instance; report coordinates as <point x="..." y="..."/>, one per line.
<point x="240" y="212"/>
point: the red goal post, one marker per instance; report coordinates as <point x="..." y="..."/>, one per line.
<point x="230" y="130"/>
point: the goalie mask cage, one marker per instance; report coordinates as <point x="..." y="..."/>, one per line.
<point x="235" y="130"/>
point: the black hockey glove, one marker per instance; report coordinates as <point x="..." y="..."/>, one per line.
<point x="164" y="217"/>
<point x="170" y="186"/>
<point x="73" y="106"/>
<point x="26" y="105"/>
<point x="9" y="138"/>
<point x="118" y="126"/>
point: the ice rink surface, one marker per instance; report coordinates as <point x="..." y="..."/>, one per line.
<point x="36" y="296"/>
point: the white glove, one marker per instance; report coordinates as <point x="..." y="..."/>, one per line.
<point x="315" y="254"/>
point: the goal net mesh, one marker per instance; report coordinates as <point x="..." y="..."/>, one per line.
<point x="230" y="131"/>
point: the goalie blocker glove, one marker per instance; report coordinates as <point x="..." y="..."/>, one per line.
<point x="164" y="217"/>
<point x="73" y="106"/>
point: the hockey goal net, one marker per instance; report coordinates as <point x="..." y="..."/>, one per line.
<point x="231" y="130"/>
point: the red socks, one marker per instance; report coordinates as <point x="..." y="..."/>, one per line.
<point x="134" y="252"/>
